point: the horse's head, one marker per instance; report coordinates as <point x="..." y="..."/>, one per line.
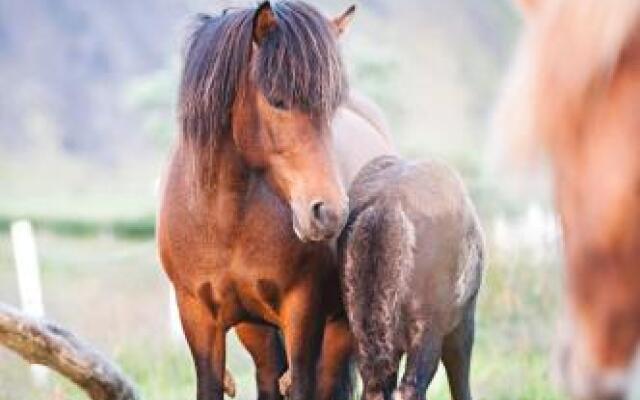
<point x="281" y="118"/>
<point x="574" y="89"/>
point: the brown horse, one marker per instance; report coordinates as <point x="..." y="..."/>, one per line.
<point x="412" y="255"/>
<point x="575" y="89"/>
<point x="253" y="193"/>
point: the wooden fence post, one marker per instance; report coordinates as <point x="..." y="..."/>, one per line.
<point x="29" y="283"/>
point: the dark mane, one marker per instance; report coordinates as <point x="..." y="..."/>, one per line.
<point x="299" y="63"/>
<point x="217" y="53"/>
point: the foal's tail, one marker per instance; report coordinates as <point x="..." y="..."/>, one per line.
<point x="378" y="260"/>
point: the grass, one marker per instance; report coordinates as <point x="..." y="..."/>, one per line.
<point x="142" y="227"/>
<point x="82" y="198"/>
<point x="111" y="292"/>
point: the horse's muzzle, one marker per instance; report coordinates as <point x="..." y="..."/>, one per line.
<point x="322" y="221"/>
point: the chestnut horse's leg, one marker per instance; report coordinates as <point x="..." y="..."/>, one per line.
<point x="422" y="363"/>
<point x="333" y="372"/>
<point x="265" y="346"/>
<point x="206" y="340"/>
<point x="456" y="356"/>
<point x="303" y="321"/>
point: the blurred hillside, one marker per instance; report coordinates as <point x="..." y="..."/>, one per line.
<point x="66" y="64"/>
<point x="86" y="115"/>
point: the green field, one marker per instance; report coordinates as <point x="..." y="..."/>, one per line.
<point x="112" y="292"/>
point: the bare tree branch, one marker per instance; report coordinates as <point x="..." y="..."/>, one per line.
<point x="41" y="342"/>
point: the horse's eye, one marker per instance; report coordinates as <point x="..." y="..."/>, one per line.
<point x="279" y="104"/>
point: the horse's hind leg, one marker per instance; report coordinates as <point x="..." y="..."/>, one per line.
<point x="456" y="356"/>
<point x="378" y="387"/>
<point x="206" y="340"/>
<point x="422" y="364"/>
<point x="265" y="346"/>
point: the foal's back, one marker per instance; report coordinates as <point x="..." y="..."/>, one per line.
<point x="442" y="233"/>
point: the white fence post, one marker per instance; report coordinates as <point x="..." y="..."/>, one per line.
<point x="29" y="284"/>
<point x="175" y="325"/>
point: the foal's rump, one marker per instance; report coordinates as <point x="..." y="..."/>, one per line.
<point x="412" y="247"/>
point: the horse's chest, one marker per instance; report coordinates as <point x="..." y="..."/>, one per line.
<point x="248" y="263"/>
<point x="263" y="269"/>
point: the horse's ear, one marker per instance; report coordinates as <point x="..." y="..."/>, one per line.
<point x="264" y="22"/>
<point x="341" y="23"/>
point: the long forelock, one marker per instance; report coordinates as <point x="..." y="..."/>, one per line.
<point x="300" y="62"/>
<point x="217" y="56"/>
<point x="215" y="66"/>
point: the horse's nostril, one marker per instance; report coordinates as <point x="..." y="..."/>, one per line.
<point x="318" y="211"/>
<point x="324" y="217"/>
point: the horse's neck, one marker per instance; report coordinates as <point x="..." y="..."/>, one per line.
<point x="223" y="198"/>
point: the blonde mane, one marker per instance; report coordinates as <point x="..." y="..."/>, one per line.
<point x="567" y="56"/>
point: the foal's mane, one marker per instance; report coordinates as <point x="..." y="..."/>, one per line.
<point x="298" y="63"/>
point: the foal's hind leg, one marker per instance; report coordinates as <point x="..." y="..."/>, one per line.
<point x="265" y="346"/>
<point x="456" y="356"/>
<point x="378" y="387"/>
<point x="422" y="364"/>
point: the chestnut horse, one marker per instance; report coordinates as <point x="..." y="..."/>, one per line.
<point x="253" y="193"/>
<point x="575" y="89"/>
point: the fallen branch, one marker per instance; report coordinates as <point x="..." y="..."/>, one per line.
<point x="41" y="342"/>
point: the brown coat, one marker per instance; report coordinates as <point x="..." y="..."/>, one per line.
<point x="412" y="255"/>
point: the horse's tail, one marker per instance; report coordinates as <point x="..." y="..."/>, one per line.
<point x="378" y="261"/>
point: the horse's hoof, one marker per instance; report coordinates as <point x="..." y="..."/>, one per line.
<point x="396" y="395"/>
<point x="285" y="383"/>
<point x="229" y="384"/>
<point x="407" y="393"/>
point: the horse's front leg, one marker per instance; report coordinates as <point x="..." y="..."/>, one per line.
<point x="265" y="346"/>
<point x="206" y="339"/>
<point x="303" y="320"/>
<point x="334" y="375"/>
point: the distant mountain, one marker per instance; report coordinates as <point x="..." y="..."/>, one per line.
<point x="65" y="64"/>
